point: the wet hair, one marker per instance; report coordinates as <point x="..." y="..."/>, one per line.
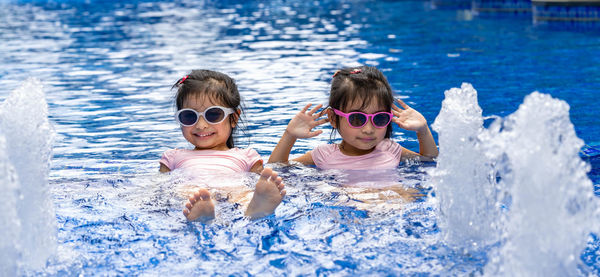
<point x="365" y="84"/>
<point x="217" y="86"/>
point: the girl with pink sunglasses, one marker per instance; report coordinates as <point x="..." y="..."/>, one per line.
<point x="361" y="108"/>
<point x="208" y="111"/>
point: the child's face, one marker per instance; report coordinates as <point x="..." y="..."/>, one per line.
<point x="203" y="135"/>
<point x="359" y="141"/>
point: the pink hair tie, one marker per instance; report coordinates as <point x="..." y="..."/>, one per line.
<point x="354" y="71"/>
<point x="183" y="79"/>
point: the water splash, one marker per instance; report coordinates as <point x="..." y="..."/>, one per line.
<point x="526" y="173"/>
<point x="11" y="225"/>
<point x="553" y="205"/>
<point x="26" y="138"/>
<point x="464" y="179"/>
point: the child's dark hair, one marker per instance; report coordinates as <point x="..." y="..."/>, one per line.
<point x="363" y="83"/>
<point x="217" y="86"/>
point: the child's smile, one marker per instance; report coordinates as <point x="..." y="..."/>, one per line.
<point x="203" y="135"/>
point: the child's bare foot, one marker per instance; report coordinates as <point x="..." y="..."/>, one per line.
<point x="267" y="195"/>
<point x="199" y="207"/>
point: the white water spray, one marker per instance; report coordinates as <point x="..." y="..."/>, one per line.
<point x="28" y="235"/>
<point x="549" y="208"/>
<point x="9" y="220"/>
<point x="464" y="179"/>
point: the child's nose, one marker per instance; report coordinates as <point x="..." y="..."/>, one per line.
<point x="368" y="128"/>
<point x="201" y="123"/>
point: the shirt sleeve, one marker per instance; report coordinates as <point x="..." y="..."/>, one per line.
<point x="318" y="155"/>
<point x="168" y="159"/>
<point x="251" y="157"/>
<point x="393" y="148"/>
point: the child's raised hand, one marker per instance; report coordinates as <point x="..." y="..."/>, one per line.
<point x="301" y="125"/>
<point x="408" y="118"/>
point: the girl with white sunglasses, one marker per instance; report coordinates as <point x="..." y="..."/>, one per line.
<point x="208" y="111"/>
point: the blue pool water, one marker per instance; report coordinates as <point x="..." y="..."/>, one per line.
<point x="95" y="204"/>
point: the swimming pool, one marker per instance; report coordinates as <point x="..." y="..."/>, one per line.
<point x="107" y="67"/>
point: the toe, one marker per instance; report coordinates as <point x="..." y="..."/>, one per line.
<point x="274" y="175"/>
<point x="266" y="173"/>
<point x="203" y="194"/>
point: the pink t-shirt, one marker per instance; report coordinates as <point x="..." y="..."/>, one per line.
<point x="386" y="155"/>
<point x="211" y="161"/>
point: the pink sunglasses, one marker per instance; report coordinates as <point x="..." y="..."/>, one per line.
<point x="359" y="119"/>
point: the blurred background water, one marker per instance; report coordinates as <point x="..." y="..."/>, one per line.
<point x="106" y="68"/>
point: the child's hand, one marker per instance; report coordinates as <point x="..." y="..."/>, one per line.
<point x="301" y="125"/>
<point x="408" y="118"/>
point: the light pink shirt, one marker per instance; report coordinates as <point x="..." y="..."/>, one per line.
<point x="386" y="155"/>
<point x="211" y="161"/>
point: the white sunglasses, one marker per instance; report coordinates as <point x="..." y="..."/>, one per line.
<point x="212" y="115"/>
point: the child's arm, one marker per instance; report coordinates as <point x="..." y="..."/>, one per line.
<point x="299" y="127"/>
<point x="409" y="119"/>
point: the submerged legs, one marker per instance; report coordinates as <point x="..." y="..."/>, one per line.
<point x="267" y="196"/>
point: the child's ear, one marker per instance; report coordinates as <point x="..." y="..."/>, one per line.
<point x="331" y="117"/>
<point x="235" y="117"/>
